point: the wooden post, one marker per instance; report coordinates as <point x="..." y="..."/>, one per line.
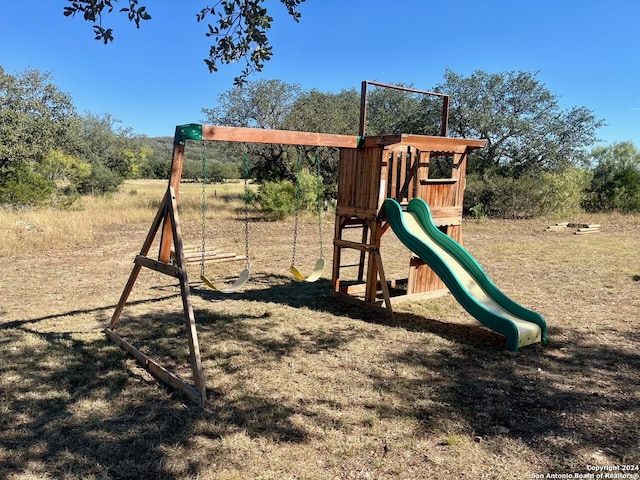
<point x="182" y="134"/>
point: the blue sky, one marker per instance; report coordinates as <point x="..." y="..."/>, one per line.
<point x="586" y="52"/>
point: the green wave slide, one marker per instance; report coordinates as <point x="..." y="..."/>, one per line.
<point x="462" y="275"/>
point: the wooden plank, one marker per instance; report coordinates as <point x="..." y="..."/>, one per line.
<point x="282" y="137"/>
<point x="346" y="177"/>
<point x="426" y="142"/>
<point x="166" y="239"/>
<point x="414" y="297"/>
<point x="158" y="266"/>
<point x="360" y="213"/>
<point x="187" y="306"/>
<point x="354" y="245"/>
<point x="375" y="192"/>
<point x="453" y="211"/>
<point x="156" y="369"/>
<point x="438" y="181"/>
<point x="190" y="257"/>
<point x="218" y="258"/>
<point x="383" y="282"/>
<point x="409" y="187"/>
<point x="583" y="225"/>
<point x="354" y="289"/>
<point x="391" y="182"/>
<point x="190" y="249"/>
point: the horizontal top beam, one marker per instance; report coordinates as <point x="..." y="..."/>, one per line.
<point x="284" y="137"/>
<point x="215" y="133"/>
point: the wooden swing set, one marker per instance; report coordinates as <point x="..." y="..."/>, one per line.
<point x="371" y="169"/>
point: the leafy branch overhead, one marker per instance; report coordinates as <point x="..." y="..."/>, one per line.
<point x="93" y="10"/>
<point x="239" y="30"/>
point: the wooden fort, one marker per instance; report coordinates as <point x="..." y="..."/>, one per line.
<point x="400" y="167"/>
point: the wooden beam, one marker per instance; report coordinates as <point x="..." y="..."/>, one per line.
<point x="355" y="245"/>
<point x="177" y="163"/>
<point x="427" y="142"/>
<point x="156" y="369"/>
<point x="283" y="137"/>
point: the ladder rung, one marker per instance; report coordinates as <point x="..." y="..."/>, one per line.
<point x="354" y="225"/>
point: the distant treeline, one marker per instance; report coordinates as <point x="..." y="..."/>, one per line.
<point x="539" y="159"/>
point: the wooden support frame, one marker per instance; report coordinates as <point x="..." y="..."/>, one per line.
<point x="172" y="259"/>
<point x="167" y="215"/>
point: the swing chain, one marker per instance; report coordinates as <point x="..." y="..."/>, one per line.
<point x="204" y="206"/>
<point x="246" y="206"/>
<point x="297" y="207"/>
<point x="319" y="200"/>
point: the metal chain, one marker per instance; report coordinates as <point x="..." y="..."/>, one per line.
<point x="246" y="207"/>
<point x="204" y="207"/>
<point x="319" y="199"/>
<point x="297" y="206"/>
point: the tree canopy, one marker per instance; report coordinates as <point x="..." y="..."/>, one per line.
<point x="537" y="159"/>
<point x="521" y="120"/>
<point x="239" y="30"/>
<point x="49" y="153"/>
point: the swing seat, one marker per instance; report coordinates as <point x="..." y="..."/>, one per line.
<point x="237" y="285"/>
<point x="315" y="275"/>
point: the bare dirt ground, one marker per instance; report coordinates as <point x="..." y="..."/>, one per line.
<point x="302" y="386"/>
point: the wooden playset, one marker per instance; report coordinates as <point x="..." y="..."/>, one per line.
<point x="371" y="169"/>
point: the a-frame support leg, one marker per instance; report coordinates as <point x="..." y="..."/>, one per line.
<point x="168" y="212"/>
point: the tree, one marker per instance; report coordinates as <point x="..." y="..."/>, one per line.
<point x="316" y="111"/>
<point x="113" y="152"/>
<point x="616" y="179"/>
<point x="521" y="120"/>
<point x="259" y="104"/>
<point x="239" y="31"/>
<point x="391" y="111"/>
<point x="36" y="118"/>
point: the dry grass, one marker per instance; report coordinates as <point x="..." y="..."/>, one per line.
<point x="301" y="386"/>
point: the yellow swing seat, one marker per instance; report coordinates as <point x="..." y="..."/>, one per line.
<point x="237" y="285"/>
<point x="313" y="276"/>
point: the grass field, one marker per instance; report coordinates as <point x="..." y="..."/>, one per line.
<point x="301" y="386"/>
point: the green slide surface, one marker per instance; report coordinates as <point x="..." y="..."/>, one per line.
<point x="462" y="275"/>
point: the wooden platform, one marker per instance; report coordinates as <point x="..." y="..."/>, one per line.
<point x="580" y="228"/>
<point x="195" y="256"/>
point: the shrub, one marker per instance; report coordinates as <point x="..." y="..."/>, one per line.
<point x="277" y="199"/>
<point x="616" y="179"/>
<point x="101" y="181"/>
<point x="21" y="186"/>
<point x="530" y="195"/>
